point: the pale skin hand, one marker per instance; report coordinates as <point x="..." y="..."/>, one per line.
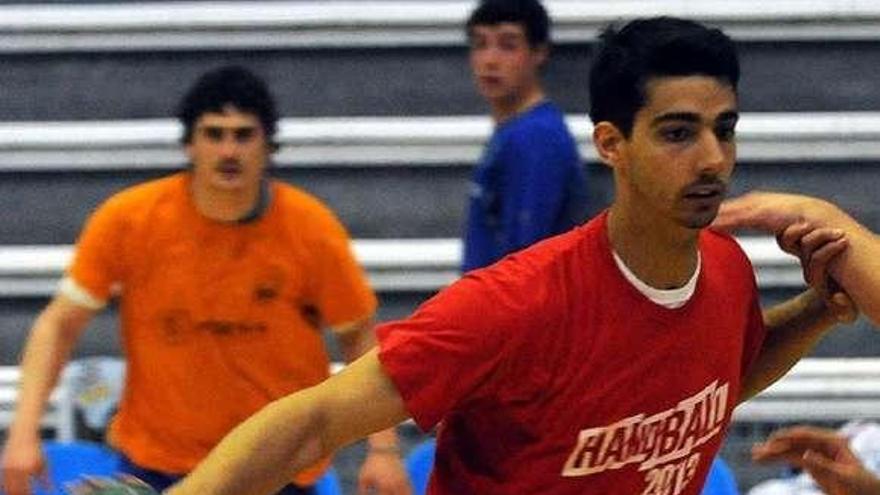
<point x="856" y="270"/>
<point x="773" y="212"/>
<point x="23" y="461"/>
<point x="817" y="248"/>
<point x="383" y="473"/>
<point x="824" y="454"/>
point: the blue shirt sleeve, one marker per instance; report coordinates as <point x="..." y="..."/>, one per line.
<point x="537" y="170"/>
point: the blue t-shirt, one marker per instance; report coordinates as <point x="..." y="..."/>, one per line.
<point x="529" y="184"/>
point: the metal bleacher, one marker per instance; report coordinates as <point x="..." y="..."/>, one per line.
<point x="398" y="141"/>
<point x="127" y="25"/>
<point x="59" y="416"/>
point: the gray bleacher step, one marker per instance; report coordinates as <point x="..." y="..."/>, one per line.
<point x="393" y="202"/>
<point x="52" y="174"/>
<point x="45" y="27"/>
<point x="827" y="76"/>
<point x="80" y="60"/>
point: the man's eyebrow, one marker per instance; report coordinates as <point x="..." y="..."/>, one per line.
<point x="233" y="128"/>
<point x="675" y="116"/>
<point x="692" y="117"/>
<point x="728" y="117"/>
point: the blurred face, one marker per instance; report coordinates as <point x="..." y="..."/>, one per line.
<point x="504" y="65"/>
<point x="679" y="158"/>
<point x="228" y="151"/>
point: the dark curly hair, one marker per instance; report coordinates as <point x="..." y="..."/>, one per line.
<point x="229" y="86"/>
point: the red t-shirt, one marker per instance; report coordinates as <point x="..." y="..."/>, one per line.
<point x="551" y="373"/>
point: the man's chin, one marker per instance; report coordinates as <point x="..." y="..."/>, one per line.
<point x="228" y="184"/>
<point x="698" y="222"/>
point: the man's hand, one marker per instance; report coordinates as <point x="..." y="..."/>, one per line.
<point x="773" y="212"/>
<point x="817" y="248"/>
<point x="23" y="462"/>
<point x="802" y="226"/>
<point x="822" y="453"/>
<point x="383" y="473"/>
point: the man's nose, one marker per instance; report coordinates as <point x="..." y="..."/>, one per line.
<point x="228" y="146"/>
<point x="489" y="56"/>
<point x="714" y="154"/>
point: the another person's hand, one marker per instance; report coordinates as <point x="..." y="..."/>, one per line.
<point x="774" y="212"/>
<point x="383" y="473"/>
<point x="817" y="247"/>
<point x="805" y="227"/>
<point x="824" y="454"/>
<point x="22" y="463"/>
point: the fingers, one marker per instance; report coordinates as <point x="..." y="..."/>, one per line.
<point x="740" y="213"/>
<point x="17" y="482"/>
<point x="799" y="439"/>
<point x="729" y="217"/>
<point x="827" y="473"/>
<point x="789" y="239"/>
<point x="777" y="451"/>
<point x="843" y="307"/>
<point x="769" y="212"/>
<point x="819" y="247"/>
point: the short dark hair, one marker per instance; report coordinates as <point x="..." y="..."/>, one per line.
<point x="529" y="13"/>
<point x="229" y="86"/>
<point x="629" y="57"/>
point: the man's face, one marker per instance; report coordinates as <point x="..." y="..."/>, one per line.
<point x="504" y="65"/>
<point x="681" y="153"/>
<point x="228" y="150"/>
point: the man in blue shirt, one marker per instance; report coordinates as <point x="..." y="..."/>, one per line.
<point x="530" y="181"/>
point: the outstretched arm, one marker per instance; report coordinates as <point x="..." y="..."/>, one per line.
<point x="824" y="454"/>
<point x="856" y="270"/>
<point x="382" y="472"/>
<point x="261" y="454"/>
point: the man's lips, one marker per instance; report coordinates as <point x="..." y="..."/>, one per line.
<point x="705" y="191"/>
<point x="229" y="168"/>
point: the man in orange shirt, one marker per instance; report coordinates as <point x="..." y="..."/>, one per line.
<point x="225" y="279"/>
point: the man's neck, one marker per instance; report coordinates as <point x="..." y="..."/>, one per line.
<point x="659" y="252"/>
<point x="506" y="109"/>
<point x="225" y="206"/>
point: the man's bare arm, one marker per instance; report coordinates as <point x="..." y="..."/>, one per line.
<point x="794" y="327"/>
<point x="52" y="337"/>
<point x="262" y="454"/>
<point x="355" y="340"/>
<point x="383" y="471"/>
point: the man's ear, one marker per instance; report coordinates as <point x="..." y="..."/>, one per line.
<point x="541" y="53"/>
<point x="188" y="151"/>
<point x="609" y="143"/>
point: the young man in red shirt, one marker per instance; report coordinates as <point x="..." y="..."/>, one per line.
<point x="605" y="360"/>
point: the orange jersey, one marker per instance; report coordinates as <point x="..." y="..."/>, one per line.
<point x="218" y="319"/>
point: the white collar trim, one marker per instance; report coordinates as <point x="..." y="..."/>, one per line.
<point x="671" y="298"/>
